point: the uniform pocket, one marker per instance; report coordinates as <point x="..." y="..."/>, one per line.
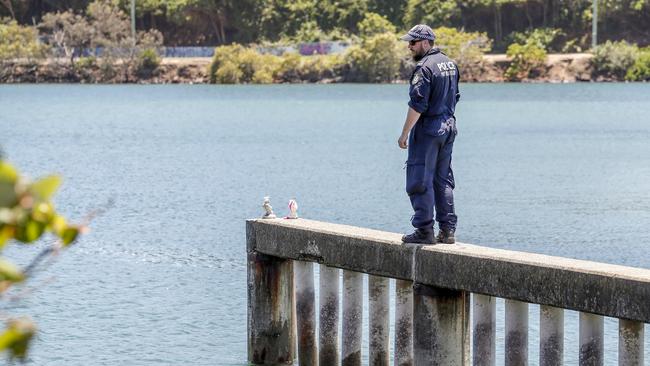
<point x="415" y="179"/>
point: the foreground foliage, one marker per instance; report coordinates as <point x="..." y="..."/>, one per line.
<point x="26" y="215"/>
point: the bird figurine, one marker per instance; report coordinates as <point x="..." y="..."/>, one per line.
<point x="268" y="209"/>
<point x="293" y="209"/>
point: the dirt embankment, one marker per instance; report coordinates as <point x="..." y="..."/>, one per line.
<point x="559" y="68"/>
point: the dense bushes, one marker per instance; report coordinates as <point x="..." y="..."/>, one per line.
<point x="17" y="42"/>
<point x="526" y="59"/>
<point x="614" y="59"/>
<point x="147" y="62"/>
<point x="377" y="57"/>
<point x="640" y="71"/>
<point x="466" y="48"/>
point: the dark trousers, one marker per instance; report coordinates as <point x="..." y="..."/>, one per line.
<point x="429" y="177"/>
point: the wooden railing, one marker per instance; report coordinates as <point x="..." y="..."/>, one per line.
<point x="432" y="299"/>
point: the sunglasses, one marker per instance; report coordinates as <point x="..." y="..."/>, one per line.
<point x="413" y="42"/>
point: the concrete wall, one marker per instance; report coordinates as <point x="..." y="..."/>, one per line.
<point x="605" y="289"/>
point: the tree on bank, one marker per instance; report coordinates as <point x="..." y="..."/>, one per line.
<point x="216" y="22"/>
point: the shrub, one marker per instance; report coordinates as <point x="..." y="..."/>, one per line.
<point x="614" y="59"/>
<point x="309" y="32"/>
<point x="640" y="71"/>
<point x="228" y="73"/>
<point x="525" y="58"/>
<point x="466" y="48"/>
<point x="147" y="62"/>
<point x="238" y="64"/>
<point x="288" y="67"/>
<point x="374" y="23"/>
<point x="546" y="38"/>
<point x="17" y="41"/>
<point x="375" y="60"/>
<point x="85" y="62"/>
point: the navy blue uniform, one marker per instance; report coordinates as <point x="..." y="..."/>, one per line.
<point x="429" y="177"/>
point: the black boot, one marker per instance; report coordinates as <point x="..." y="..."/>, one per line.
<point x="446" y="236"/>
<point x="419" y="236"/>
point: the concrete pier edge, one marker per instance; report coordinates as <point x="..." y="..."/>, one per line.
<point x="597" y="288"/>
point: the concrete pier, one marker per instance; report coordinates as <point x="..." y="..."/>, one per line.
<point x="445" y="275"/>
<point x="484" y="327"/>
<point x="270" y="310"/>
<point x="305" y="313"/>
<point x="403" y="323"/>
<point x="551" y="336"/>
<point x="352" y="318"/>
<point x="516" y="333"/>
<point x="630" y="343"/>
<point x="378" y="330"/>
<point x="440" y="326"/>
<point x="591" y="340"/>
<point x="328" y="344"/>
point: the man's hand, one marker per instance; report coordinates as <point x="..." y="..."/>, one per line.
<point x="402" y="141"/>
<point x="412" y="117"/>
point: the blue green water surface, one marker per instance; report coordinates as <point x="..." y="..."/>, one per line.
<point x="161" y="279"/>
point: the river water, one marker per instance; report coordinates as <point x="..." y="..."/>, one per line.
<point x="161" y="278"/>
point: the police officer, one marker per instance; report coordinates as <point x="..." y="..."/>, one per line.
<point x="429" y="132"/>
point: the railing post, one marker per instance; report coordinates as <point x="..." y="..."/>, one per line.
<point x="630" y="343"/>
<point x="403" y="323"/>
<point x="270" y="310"/>
<point x="591" y="339"/>
<point x="484" y="324"/>
<point x="352" y="318"/>
<point x="516" y="333"/>
<point x="378" y="301"/>
<point x="305" y="313"/>
<point x="440" y="326"/>
<point x="551" y="336"/>
<point x="328" y="352"/>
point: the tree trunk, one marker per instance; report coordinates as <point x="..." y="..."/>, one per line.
<point x="7" y="4"/>
<point x="215" y="28"/>
<point x="497" y="23"/>
<point x="528" y="16"/>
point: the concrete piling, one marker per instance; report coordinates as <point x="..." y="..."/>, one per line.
<point x="484" y="324"/>
<point x="591" y="339"/>
<point x="630" y="343"/>
<point x="551" y="336"/>
<point x="403" y="353"/>
<point x="378" y="319"/>
<point x="270" y="310"/>
<point x="305" y="313"/>
<point x="352" y="318"/>
<point x="516" y="352"/>
<point x="440" y="326"/>
<point x="328" y="344"/>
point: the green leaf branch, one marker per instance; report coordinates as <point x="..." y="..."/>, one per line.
<point x="26" y="215"/>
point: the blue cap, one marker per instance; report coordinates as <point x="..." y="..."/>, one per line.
<point x="420" y="31"/>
